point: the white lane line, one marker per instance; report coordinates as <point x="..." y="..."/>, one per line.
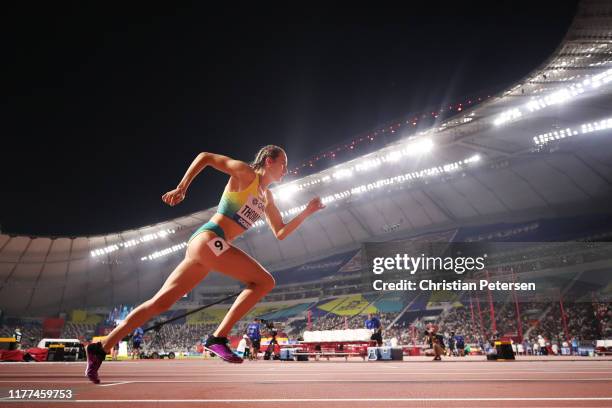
<point x="365" y="380"/>
<point x="179" y="375"/>
<point x="51" y="381"/>
<point x="302" y="400"/>
<point x="487" y="379"/>
<point x="280" y="373"/>
<point x="439" y="367"/>
<point x="117" y="383"/>
<point x="295" y="363"/>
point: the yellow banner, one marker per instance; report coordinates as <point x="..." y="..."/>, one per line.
<point x="349" y="306"/>
<point x="207" y="316"/>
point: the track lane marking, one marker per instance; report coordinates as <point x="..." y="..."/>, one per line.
<point x="315" y="400"/>
<point x="280" y="373"/>
<point x="117" y="383"/>
<point x="250" y="381"/>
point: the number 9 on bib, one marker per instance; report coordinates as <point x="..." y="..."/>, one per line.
<point x="218" y="245"/>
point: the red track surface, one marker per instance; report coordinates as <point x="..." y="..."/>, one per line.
<point x="412" y="383"/>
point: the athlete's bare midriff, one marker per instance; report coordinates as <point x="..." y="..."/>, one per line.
<point x="231" y="228"/>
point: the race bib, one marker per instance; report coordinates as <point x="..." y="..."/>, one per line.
<point x="218" y="245"/>
<point x="250" y="212"/>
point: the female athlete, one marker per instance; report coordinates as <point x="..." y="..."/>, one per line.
<point x="245" y="200"/>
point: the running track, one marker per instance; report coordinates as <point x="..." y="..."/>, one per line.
<point x="415" y="382"/>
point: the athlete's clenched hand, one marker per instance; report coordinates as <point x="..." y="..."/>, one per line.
<point x="314" y="205"/>
<point x="173" y="197"/>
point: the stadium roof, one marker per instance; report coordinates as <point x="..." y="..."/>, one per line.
<point x="541" y="148"/>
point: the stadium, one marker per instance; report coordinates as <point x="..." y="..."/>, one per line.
<point x="523" y="176"/>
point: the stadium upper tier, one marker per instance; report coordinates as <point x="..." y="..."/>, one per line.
<point x="541" y="148"/>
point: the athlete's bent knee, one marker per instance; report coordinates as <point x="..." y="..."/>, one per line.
<point x="267" y="283"/>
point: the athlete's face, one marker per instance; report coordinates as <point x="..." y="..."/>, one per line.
<point x="278" y="167"/>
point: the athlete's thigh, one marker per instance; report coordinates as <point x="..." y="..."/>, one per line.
<point x="239" y="265"/>
<point x="230" y="261"/>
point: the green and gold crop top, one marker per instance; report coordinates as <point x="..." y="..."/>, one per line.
<point x="244" y="207"/>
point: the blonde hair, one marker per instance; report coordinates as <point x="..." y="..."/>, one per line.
<point x="270" y="151"/>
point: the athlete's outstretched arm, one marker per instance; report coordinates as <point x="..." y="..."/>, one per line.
<point x="234" y="168"/>
<point x="275" y="220"/>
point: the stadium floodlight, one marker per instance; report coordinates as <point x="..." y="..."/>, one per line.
<point x="287" y="192"/>
<point x="372" y="161"/>
<point x="394" y="180"/>
<point x="507" y="116"/>
<point x="600" y="79"/>
<point x="165" y="251"/>
<point x="394" y="156"/>
<point x="560" y="96"/>
<point x="103" y="251"/>
<point x="259" y="223"/>
<point x="559" y="134"/>
<point x="367" y="164"/>
<point x="132" y="242"/>
<point x="596" y="126"/>
<point x="419" y="147"/>
<point x="358" y="190"/>
<point x="343" y="173"/>
<point x="149" y="237"/>
<point x="557" y="97"/>
<point x="450" y="167"/>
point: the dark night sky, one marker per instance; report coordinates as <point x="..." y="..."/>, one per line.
<point x="103" y="109"/>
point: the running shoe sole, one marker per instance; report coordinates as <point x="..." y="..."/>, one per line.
<point x="236" y="360"/>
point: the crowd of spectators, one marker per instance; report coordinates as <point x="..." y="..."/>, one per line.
<point x="81" y="331"/>
<point x="542" y="326"/>
<point x="524" y="258"/>
<point x="542" y="323"/>
<point x="334" y="322"/>
<point x="459" y="320"/>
